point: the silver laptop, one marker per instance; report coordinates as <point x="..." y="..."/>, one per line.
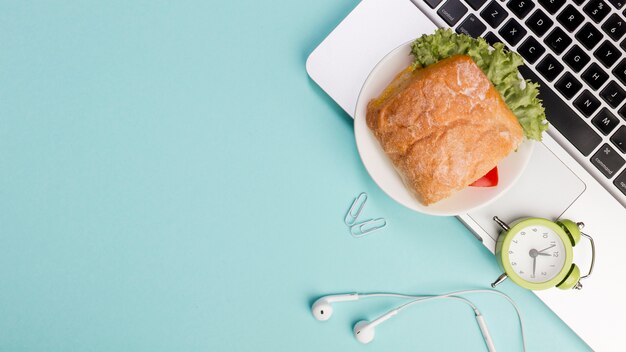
<point x="575" y="49"/>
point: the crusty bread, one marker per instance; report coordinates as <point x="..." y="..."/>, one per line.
<point x="443" y="126"/>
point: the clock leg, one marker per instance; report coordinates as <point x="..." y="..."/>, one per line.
<point x="499" y="280"/>
<point x="502" y="224"/>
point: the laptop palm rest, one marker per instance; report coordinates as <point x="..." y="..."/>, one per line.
<point x="545" y="175"/>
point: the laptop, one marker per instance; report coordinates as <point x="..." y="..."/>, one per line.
<point x="576" y="51"/>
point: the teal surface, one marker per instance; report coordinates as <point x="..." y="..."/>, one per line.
<point x="171" y="180"/>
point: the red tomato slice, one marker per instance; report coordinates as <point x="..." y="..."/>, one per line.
<point x="489" y="180"/>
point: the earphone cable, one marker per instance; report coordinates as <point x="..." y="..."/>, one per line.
<point x="417" y="298"/>
<point x="453" y="294"/>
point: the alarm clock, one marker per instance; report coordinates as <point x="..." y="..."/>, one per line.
<point x="537" y="253"/>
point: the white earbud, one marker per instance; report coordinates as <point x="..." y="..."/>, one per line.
<point x="364" y="331"/>
<point x="322" y="309"/>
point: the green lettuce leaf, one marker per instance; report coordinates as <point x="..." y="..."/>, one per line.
<point x="498" y="64"/>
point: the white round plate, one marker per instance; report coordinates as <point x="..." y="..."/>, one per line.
<point x="384" y="174"/>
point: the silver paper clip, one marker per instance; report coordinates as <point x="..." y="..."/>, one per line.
<point x="367" y="227"/>
<point x="355" y="209"/>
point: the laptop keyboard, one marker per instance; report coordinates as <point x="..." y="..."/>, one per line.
<point x="575" y="50"/>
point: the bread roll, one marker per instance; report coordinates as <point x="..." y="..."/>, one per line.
<point x="443" y="127"/>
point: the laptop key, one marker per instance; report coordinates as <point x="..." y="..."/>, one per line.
<point x="620" y="182"/>
<point x="597" y="10"/>
<point x="619" y="139"/>
<point x="520" y="8"/>
<point x="605" y="121"/>
<point x="568" y="85"/>
<point x="617" y="3"/>
<point x="576" y="58"/>
<point x="589" y="36"/>
<point x="433" y="3"/>
<point x="476" y="4"/>
<point x="587" y="104"/>
<point x="493" y="14"/>
<point x="570" y="18"/>
<point x="563" y="118"/>
<point x="595" y="76"/>
<point x="492" y="38"/>
<point x="549" y="67"/>
<point x="614" y="27"/>
<point x="622" y="112"/>
<point x="552" y="6"/>
<point x="579" y="2"/>
<point x="607" y="54"/>
<point x="613" y="94"/>
<point x="452" y="11"/>
<point x="620" y="71"/>
<point x="531" y="50"/>
<point x="512" y="32"/>
<point x="471" y="26"/>
<point x="558" y="40"/>
<point x="539" y="23"/>
<point x="607" y="160"/>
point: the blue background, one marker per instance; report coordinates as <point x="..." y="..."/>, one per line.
<point x="171" y="179"/>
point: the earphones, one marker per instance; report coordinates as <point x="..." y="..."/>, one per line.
<point x="322" y="309"/>
<point x="365" y="331"/>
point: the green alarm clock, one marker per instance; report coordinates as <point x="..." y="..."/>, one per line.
<point x="538" y="254"/>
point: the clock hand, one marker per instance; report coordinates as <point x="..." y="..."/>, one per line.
<point x="545" y="249"/>
<point x="544" y="254"/>
<point x="534" y="265"/>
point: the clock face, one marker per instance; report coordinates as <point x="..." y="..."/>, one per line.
<point x="537" y="254"/>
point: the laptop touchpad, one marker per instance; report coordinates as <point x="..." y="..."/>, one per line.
<point x="546" y="189"/>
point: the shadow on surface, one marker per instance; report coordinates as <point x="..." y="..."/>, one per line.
<point x="325" y="26"/>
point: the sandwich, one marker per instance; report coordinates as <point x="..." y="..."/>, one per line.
<point x="449" y="118"/>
